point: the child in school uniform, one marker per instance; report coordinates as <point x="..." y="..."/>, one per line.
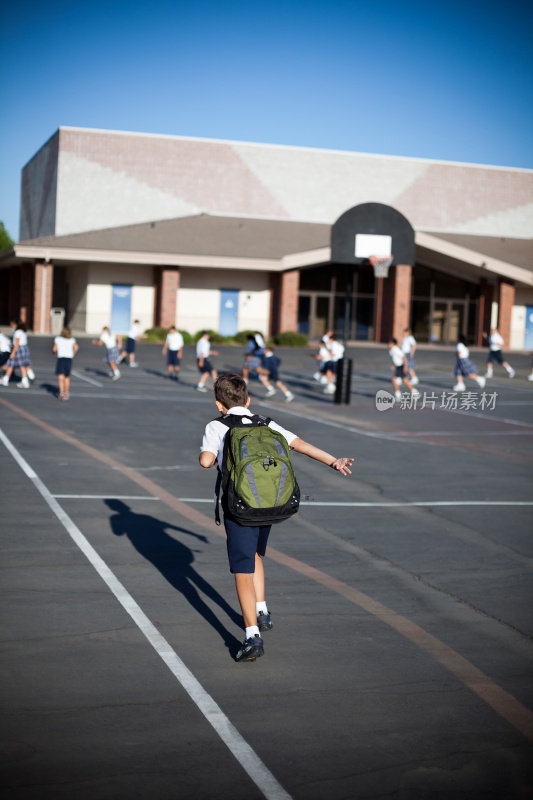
<point x="203" y="351"/>
<point x="65" y="347"/>
<point x="465" y="368"/>
<point x="19" y="356"/>
<point x="111" y="344"/>
<point x="128" y="354"/>
<point x="409" y="347"/>
<point x="336" y="353"/>
<point x="399" y="367"/>
<point x="246" y="545"/>
<point x="322" y="357"/>
<point x="495" y="340"/>
<point x="268" y="371"/>
<point x="5" y="350"/>
<point x="173" y="348"/>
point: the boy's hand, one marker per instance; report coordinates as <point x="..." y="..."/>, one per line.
<point x="343" y="465"/>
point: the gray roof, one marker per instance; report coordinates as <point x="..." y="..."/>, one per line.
<point x="202" y="234"/>
<point x="513" y="251"/>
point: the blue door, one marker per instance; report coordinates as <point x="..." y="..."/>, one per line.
<point x="120" y="308"/>
<point x="229" y="312"/>
<point x="528" y="341"/>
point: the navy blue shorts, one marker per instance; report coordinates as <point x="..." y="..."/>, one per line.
<point x="130" y="345"/>
<point x="4" y="358"/>
<point x="243" y="543"/>
<point x="495" y="355"/>
<point x="173" y="358"/>
<point x="331" y="366"/>
<point x="399" y="372"/>
<point x="207" y="367"/>
<point x="63" y="366"/>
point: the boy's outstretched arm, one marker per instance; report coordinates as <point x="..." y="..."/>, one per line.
<point x="342" y="465"/>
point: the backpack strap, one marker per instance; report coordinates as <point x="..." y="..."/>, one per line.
<point x="234" y="421"/>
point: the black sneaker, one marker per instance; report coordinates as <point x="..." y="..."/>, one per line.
<point x="251" y="649"/>
<point x="264" y="623"/>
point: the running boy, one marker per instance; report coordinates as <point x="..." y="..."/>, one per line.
<point x="111" y="344"/>
<point x="269" y="372"/>
<point x="203" y="351"/>
<point x="399" y="361"/>
<point x="246" y="545"/>
<point x="131" y="342"/>
<point x="173" y="348"/>
<point x="65" y="348"/>
<point x="409" y="347"/>
<point x="495" y="354"/>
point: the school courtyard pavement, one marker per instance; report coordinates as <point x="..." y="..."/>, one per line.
<point x="400" y="663"/>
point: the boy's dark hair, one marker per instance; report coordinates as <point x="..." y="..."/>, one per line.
<point x="393" y="340"/>
<point x="231" y="390"/>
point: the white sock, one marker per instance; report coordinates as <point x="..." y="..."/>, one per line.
<point x="252" y="631"/>
<point x="262" y="606"/>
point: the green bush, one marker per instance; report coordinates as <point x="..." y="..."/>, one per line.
<point x="155" y="334"/>
<point x="216" y="338"/>
<point x="289" y="339"/>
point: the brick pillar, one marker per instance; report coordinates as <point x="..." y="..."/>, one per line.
<point x="166" y="284"/>
<point x="287" y="301"/>
<point x="506" y="292"/>
<point x="395" y="303"/>
<point x="42" y="297"/>
<point x="484" y="311"/>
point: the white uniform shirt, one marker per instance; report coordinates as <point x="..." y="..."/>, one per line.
<point x="65" y="347"/>
<point x="133" y="331"/>
<point x="259" y="340"/>
<point x="324" y="353"/>
<point x="336" y="350"/>
<point x="215" y="433"/>
<point x="408" y="342"/>
<point x="20" y="337"/>
<point x="495" y="341"/>
<point x="174" y="341"/>
<point x="109" y="339"/>
<point x="397" y="355"/>
<point x="462" y="351"/>
<point x="5" y="344"/>
<point x="203" y="348"/>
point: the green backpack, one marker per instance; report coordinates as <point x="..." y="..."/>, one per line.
<point x="257" y="478"/>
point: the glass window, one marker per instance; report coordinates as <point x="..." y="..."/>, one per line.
<point x="304" y="313"/>
<point x="420" y="320"/>
<point x="364" y="318"/>
<point x="316" y="279"/>
<point x="365" y="280"/>
<point x="421" y="284"/>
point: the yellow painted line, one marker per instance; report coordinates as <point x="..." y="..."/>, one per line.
<point x="501" y="701"/>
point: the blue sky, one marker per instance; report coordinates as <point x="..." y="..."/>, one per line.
<point x="444" y="80"/>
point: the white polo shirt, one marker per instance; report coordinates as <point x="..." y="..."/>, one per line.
<point x="65" y="347"/>
<point x="495" y="341"/>
<point x="215" y="433"/>
<point x="203" y="348"/>
<point x="109" y="339"/>
<point x="174" y="341"/>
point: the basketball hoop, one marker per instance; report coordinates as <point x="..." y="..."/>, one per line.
<point x="381" y="265"/>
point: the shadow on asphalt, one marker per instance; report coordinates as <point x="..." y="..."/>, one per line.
<point x="51" y="388"/>
<point x="174" y="561"/>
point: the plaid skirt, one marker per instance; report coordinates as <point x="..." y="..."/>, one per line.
<point x="112" y="355"/>
<point x="465" y="367"/>
<point x="22" y="357"/>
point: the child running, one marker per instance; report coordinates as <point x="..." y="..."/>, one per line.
<point x="203" y="351"/>
<point x="269" y="372"/>
<point x="112" y="344"/>
<point x="409" y="347"/>
<point x="173" y="348"/>
<point x="65" y="347"/>
<point x="247" y="545"/>
<point x="336" y="353"/>
<point x="465" y="368"/>
<point x="495" y="340"/>
<point x="399" y="362"/>
<point x="128" y="354"/>
<point x="19" y="356"/>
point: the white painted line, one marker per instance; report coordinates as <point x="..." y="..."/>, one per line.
<point x="85" y="378"/>
<point x="392" y="504"/>
<point x="104" y="497"/>
<point x="231" y="737"/>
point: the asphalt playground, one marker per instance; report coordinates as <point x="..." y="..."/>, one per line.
<point x="401" y="660"/>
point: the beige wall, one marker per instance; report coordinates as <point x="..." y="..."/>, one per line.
<point x="101" y="278"/>
<point x="198" y="302"/>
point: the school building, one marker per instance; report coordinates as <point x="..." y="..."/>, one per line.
<point x="204" y="233"/>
